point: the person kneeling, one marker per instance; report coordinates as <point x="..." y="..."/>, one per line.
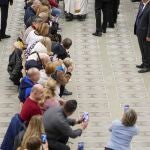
<point x="57" y="125"/>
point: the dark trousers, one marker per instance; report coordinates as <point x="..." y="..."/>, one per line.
<point x="113" y="11"/>
<point x="4" y="16"/>
<point x="62" y="88"/>
<point x="108" y="148"/>
<point x="145" y="51"/>
<point x="59" y="145"/>
<point x="104" y="7"/>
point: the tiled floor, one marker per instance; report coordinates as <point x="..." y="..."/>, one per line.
<point x="105" y="77"/>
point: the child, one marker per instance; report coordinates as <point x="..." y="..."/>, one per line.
<point x="123" y="131"/>
<point x="61" y="50"/>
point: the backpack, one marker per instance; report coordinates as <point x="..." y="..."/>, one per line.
<point x="15" y="66"/>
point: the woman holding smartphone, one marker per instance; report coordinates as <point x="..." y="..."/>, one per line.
<point x="34" y="129"/>
<point x="122" y="131"/>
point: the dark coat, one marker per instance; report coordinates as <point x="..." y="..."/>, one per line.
<point x="5" y="2"/>
<point x="142" y="23"/>
<point x="15" y="126"/>
<point x="97" y="2"/>
<point x="18" y="139"/>
<point x="15" y="66"/>
<point x="29" y="15"/>
<point x="60" y="51"/>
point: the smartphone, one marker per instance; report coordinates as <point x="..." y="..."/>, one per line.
<point x="126" y="108"/>
<point x="43" y="138"/>
<point x="85" y="116"/>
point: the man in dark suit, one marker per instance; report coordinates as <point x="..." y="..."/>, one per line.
<point x="142" y="30"/>
<point x="4" y="5"/>
<point x="101" y="5"/>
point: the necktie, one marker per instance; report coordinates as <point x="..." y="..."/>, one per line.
<point x="140" y="9"/>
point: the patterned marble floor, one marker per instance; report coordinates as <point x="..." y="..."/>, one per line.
<point x="105" y="77"/>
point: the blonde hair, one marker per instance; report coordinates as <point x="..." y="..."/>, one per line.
<point x="46" y="41"/>
<point x="44" y="9"/>
<point x="35" y="128"/>
<point x="43" y="29"/>
<point x="50" y="88"/>
<point x="68" y="62"/>
<point x="129" y="118"/>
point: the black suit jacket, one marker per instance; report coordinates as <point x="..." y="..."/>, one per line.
<point x="5" y="2"/>
<point x="142" y="23"/>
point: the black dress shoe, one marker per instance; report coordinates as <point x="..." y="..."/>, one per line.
<point x="97" y="34"/>
<point x="104" y="30"/>
<point x="144" y="70"/>
<point x="5" y="36"/>
<point x="66" y="92"/>
<point x="111" y="26"/>
<point x="140" y="66"/>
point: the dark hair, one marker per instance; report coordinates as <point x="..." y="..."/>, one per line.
<point x="67" y="43"/>
<point x="36" y="19"/>
<point x="34" y="143"/>
<point x="70" y="106"/>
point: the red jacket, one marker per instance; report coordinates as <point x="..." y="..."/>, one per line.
<point x="53" y="3"/>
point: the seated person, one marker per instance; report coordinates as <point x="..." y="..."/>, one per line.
<point x="35" y="24"/>
<point x="35" y="126"/>
<point x="37" y="60"/>
<point x="33" y="75"/>
<point x="37" y="34"/>
<point x="30" y="12"/>
<point x="41" y="46"/>
<point x="44" y="9"/>
<point x="55" y="8"/>
<point x="63" y="75"/>
<point x="46" y="73"/>
<point x="61" y="50"/>
<point x="31" y="106"/>
<point x="50" y="98"/>
<point x="57" y="125"/>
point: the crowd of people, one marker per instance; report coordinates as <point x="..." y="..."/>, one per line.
<point x="41" y="67"/>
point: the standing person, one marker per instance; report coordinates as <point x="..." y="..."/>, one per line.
<point x="123" y="131"/>
<point x="57" y="125"/>
<point x="142" y="30"/>
<point x="113" y="7"/>
<point x="101" y="5"/>
<point x="115" y="10"/>
<point x="4" y="4"/>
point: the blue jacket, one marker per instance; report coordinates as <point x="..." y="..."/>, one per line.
<point x="5" y="2"/>
<point x="15" y="126"/>
<point x="29" y="14"/>
<point x="25" y="88"/>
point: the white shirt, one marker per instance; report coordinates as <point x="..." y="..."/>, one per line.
<point x="32" y="38"/>
<point x="145" y="4"/>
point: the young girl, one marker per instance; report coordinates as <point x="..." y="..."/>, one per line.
<point x="123" y="131"/>
<point x="35" y="128"/>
